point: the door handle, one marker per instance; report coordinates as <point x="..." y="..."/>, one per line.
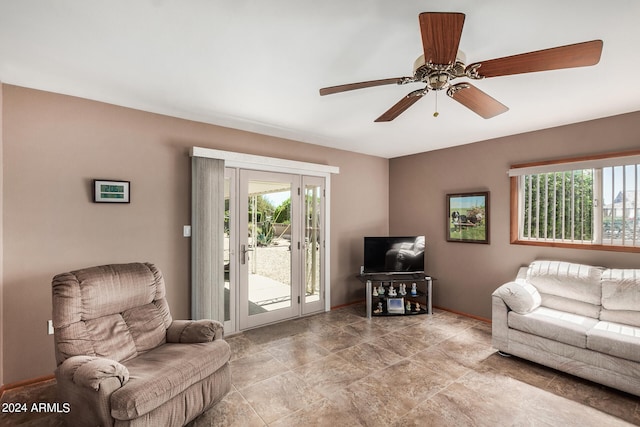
<point x="243" y="251"/>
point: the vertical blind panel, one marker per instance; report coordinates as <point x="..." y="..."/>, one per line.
<point x="557" y="206"/>
<point x="583" y="206"/>
<point x="207" y="238"/>
<point x="620" y="213"/>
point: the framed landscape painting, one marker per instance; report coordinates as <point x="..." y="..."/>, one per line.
<point x="468" y="217"/>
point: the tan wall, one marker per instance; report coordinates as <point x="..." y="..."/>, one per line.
<point x="468" y="273"/>
<point x="54" y="145"/>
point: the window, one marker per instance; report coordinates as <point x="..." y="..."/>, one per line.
<point x="588" y="203"/>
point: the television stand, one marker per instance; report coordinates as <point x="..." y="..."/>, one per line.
<point x="424" y="286"/>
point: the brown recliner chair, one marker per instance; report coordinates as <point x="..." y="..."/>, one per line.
<point x="121" y="358"/>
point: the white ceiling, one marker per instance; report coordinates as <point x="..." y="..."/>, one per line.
<point x="257" y="65"/>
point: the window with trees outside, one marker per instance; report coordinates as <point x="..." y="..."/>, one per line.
<point x="589" y="202"/>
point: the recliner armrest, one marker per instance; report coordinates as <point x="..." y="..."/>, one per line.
<point x="91" y="372"/>
<point x="194" y="331"/>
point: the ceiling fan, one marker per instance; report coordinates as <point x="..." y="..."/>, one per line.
<point x="442" y="62"/>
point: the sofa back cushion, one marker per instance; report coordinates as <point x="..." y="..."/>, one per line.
<point x="621" y="296"/>
<point x="570" y="287"/>
<point x="116" y="311"/>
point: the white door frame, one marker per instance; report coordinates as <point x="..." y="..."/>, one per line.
<point x="250" y="161"/>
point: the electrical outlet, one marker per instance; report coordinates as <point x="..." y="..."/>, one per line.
<point x="50" y="327"/>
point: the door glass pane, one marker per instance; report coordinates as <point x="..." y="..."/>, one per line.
<point x="268" y="254"/>
<point x="313" y="241"/>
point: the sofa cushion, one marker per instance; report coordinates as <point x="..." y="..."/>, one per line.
<point x="158" y="375"/>
<point x="561" y="284"/>
<point x="615" y="339"/>
<point x="575" y="281"/>
<point x="519" y="297"/>
<point x="570" y="305"/>
<point x="553" y="324"/>
<point x="621" y="296"/>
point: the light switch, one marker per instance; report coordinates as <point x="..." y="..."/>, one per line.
<point x="186" y="231"/>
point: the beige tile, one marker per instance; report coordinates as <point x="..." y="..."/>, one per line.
<point x="436" y="360"/>
<point x="399" y="322"/>
<point x="369" y="329"/>
<point x="232" y="411"/>
<point x="331" y="374"/>
<point x="339" y="318"/>
<point x="401" y="344"/>
<point x="336" y="339"/>
<point x="519" y="369"/>
<point x="380" y="398"/>
<point x="322" y="413"/>
<point x="408" y="378"/>
<point x="480" y="332"/>
<point x="427" y="333"/>
<point x="242" y="346"/>
<point x="316" y="324"/>
<point x="251" y="369"/>
<point x="297" y="351"/>
<point x="494" y="399"/>
<point x="279" y="396"/>
<point x="453" y="323"/>
<point x="602" y="398"/>
<point x="465" y="351"/>
<point x="370" y="355"/>
<point x="275" y="332"/>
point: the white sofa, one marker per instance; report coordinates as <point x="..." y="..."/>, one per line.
<point x="576" y="318"/>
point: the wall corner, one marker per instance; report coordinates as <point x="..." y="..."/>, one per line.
<point x="2" y="322"/>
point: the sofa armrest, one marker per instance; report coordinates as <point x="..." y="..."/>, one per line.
<point x="194" y="331"/>
<point x="499" y="324"/>
<point x="93" y="372"/>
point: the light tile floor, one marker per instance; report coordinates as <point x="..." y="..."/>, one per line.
<point x="340" y="369"/>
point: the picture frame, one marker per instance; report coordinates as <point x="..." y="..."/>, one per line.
<point x="468" y="217"/>
<point x="110" y="191"/>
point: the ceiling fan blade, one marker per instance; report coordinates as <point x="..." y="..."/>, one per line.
<point x="361" y="85"/>
<point x="402" y="105"/>
<point x="476" y="100"/>
<point x="569" y="56"/>
<point x="441" y="34"/>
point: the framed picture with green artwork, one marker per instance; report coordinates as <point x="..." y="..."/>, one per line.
<point x="468" y="217"/>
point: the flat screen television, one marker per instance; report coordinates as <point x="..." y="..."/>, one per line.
<point x="394" y="254"/>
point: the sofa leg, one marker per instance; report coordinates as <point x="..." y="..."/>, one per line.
<point x="503" y="354"/>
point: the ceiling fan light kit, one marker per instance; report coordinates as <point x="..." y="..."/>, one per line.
<point x="442" y="62"/>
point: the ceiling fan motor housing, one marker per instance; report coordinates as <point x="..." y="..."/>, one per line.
<point x="438" y="76"/>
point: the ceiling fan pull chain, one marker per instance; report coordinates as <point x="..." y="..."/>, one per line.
<point x="436" y="114"/>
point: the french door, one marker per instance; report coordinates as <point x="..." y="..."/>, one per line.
<point x="274" y="247"/>
<point x="313" y="211"/>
